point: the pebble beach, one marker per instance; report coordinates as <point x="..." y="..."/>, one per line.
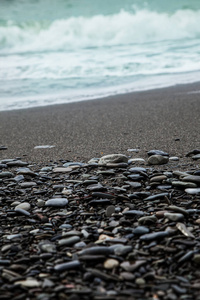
<point x="100" y="199"/>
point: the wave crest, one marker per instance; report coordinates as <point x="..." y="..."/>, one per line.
<point x="124" y="28"/>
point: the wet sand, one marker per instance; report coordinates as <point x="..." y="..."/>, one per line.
<point x="165" y="119"/>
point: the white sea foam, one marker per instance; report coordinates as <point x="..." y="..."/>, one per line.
<point x="123" y="28"/>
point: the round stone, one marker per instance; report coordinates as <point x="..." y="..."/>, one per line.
<point x="110" y="210"/>
<point x="158" y="160"/>
<point x="111" y="263"/>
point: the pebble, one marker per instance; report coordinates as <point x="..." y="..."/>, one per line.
<point x="158" y="160"/>
<point x="157" y="152"/>
<point x="113" y="158"/>
<point x="110" y="210"/>
<point x="193" y="191"/>
<point x="67" y="266"/>
<point x="89" y="232"/>
<point x="57" y="202"/>
<point x="111" y="264"/>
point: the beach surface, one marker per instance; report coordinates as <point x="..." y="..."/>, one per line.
<point x="165" y="119"/>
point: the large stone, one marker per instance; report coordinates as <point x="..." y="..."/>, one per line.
<point x="113" y="158"/>
<point x="158" y="160"/>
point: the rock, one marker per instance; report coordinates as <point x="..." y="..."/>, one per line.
<point x="175" y="217"/>
<point x="154" y="236"/>
<point x="193" y="191"/>
<point x="196" y="259"/>
<point x="113" y="158"/>
<point x="29" y="283"/>
<point x="24" y="205"/>
<point x="182" y="184"/>
<point x="110" y="210"/>
<point x="62" y="170"/>
<point x="67" y="266"/>
<point x="174" y="158"/>
<point x="6" y="174"/>
<point x="158" y="160"/>
<point x="157" y="152"/>
<point x="56" y="202"/>
<point x="192" y="178"/>
<point x="111" y="263"/>
<point x="196" y="157"/>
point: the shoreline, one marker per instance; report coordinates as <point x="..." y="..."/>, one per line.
<point x="165" y="119"/>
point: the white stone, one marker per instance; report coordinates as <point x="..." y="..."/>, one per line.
<point x="113" y="158"/>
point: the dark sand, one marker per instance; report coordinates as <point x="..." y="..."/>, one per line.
<point x="167" y="119"/>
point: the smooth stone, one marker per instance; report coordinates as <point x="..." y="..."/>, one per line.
<point x="111" y="264"/>
<point x="133" y="213"/>
<point x="62" y="170"/>
<point x="184" y="230"/>
<point x="133" y="150"/>
<point x="17" y="163"/>
<point x="40" y="203"/>
<point x="192" y="191"/>
<point x="154" y="236"/>
<point x="18" y="178"/>
<point x="136" y="160"/>
<point x="134" y="185"/>
<point x="194" y="151"/>
<point x="127" y="266"/>
<point x="6" y="174"/>
<point x="196" y="259"/>
<point x="110" y="210"/>
<point x="137" y="170"/>
<point x="29" y="283"/>
<point x="174" y="216"/>
<point x="158" y="160"/>
<point x="56" y="202"/>
<point x="157" y="152"/>
<point x="192" y="178"/>
<point x="140" y="230"/>
<point x="127" y="276"/>
<point x="113" y="158"/>
<point x="47" y="247"/>
<point x="140" y="281"/>
<point x="22" y="211"/>
<point x="25" y="171"/>
<point x="196" y="157"/>
<point x="174" y="158"/>
<point x="158" y="178"/>
<point x="69" y="241"/>
<point x="99" y="202"/>
<point x="94" y="160"/>
<point x="122" y="250"/>
<point x="44" y="147"/>
<point x="156" y="197"/>
<point x="24" y="205"/>
<point x="147" y="220"/>
<point x="27" y="184"/>
<point x="73" y="165"/>
<point x="182" y="184"/>
<point x="67" y="266"/>
<point x="99" y="250"/>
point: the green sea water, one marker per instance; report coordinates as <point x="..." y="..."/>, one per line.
<point x="61" y="51"/>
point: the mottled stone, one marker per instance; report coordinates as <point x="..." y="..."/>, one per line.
<point x="158" y="160"/>
<point x="113" y="158"/>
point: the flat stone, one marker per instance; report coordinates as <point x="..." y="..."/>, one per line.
<point x="56" y="202"/>
<point x="174" y="158"/>
<point x="196" y="157"/>
<point x="62" y="170"/>
<point x="183" y="184"/>
<point x="44" y="147"/>
<point x="157" y="152"/>
<point x="192" y="178"/>
<point x="69" y="241"/>
<point x="67" y="266"/>
<point x="29" y="283"/>
<point x="158" y="160"/>
<point x="24" y="205"/>
<point x="113" y="158"/>
<point x="6" y="174"/>
<point x="175" y="217"/>
<point x="27" y="184"/>
<point x="193" y="191"/>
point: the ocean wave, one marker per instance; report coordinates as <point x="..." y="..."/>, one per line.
<point x="141" y="26"/>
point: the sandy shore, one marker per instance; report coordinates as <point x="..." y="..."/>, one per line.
<point x="167" y="119"/>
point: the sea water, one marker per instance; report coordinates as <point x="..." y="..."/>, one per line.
<point x="59" y="51"/>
